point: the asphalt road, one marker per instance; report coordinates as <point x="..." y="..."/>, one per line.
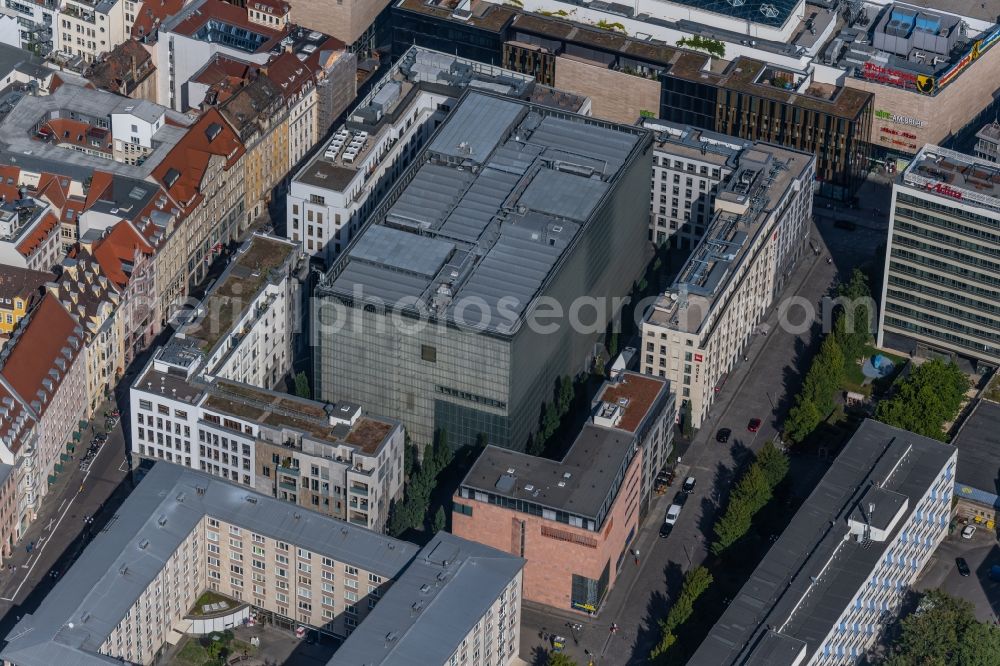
<point x="60" y="532"/>
<point x="981" y="552"/>
<point x="763" y="388"/>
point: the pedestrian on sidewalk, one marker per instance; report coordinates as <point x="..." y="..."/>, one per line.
<point x="635" y="553"/>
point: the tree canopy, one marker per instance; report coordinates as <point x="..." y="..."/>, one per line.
<point x="926" y="400"/>
<point x="943" y="631"/>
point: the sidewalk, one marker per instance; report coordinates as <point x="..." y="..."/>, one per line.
<point x="55" y="506"/>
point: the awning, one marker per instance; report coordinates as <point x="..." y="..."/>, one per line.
<point x="70" y="448"/>
<point x="64" y="457"/>
<point x="83" y="424"/>
<point x="57" y="467"/>
<point x="76" y="436"/>
<point x="52" y="479"/>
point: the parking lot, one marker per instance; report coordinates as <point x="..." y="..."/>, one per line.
<point x="981" y="552"/>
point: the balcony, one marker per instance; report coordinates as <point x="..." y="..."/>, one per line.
<point x="290" y="471"/>
<point x="355" y="504"/>
<point x="359" y="490"/>
<point x="358" y="519"/>
<point x="290" y="487"/>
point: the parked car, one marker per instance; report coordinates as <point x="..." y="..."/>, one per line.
<point x="963" y="566"/>
<point x="680" y="498"/>
<point x="723" y="435"/>
<point x="689" y="484"/>
<point x="754" y="425"/>
<point x="673" y="513"/>
<point x="968" y="531"/>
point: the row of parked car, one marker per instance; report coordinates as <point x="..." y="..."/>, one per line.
<point x="674" y="510"/>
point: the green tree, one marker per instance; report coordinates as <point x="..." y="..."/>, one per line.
<point x="302" y="386"/>
<point x="550" y="421"/>
<point x="930" y="397"/>
<point x="686" y="420"/>
<point x="409" y="458"/>
<point x="565" y="397"/>
<point x="440" y="519"/>
<point x="943" y="631"/>
<point x="559" y="659"/>
<point x="695" y="583"/>
<point x="659" y="651"/>
<point x="802" y="418"/>
<point x="773" y="463"/>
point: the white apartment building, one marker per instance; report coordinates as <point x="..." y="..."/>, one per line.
<point x="203" y="401"/>
<point x="333" y="194"/>
<point x="87" y="29"/>
<point x="244" y="329"/>
<point x="329" y="458"/>
<point x="838" y="573"/>
<point x="182" y="532"/>
<point x="29" y="234"/>
<point x="689" y="166"/>
<point x="762" y="219"/>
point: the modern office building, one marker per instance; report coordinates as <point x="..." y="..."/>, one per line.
<point x="762" y="218"/>
<point x="689" y="167"/>
<point x="331" y="197"/>
<point x="181" y="533"/>
<point x="574" y="520"/>
<point x="430" y="316"/>
<point x="834" y="578"/>
<point x="941" y="289"/>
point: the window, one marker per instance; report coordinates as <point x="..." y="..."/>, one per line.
<point x="428" y="353"/>
<point x="316" y="199"/>
<point x="350" y="571"/>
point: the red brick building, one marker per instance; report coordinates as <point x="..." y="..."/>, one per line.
<point x="573" y="520"/>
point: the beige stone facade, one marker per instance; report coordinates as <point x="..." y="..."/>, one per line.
<point x="347" y="20"/>
<point x="615" y="96"/>
<point x="906" y="120"/>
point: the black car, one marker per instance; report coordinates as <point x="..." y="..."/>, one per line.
<point x="680" y="497"/>
<point x="665" y="530"/>
<point x="723" y="435"/>
<point x="688" y="486"/>
<point x="963" y="566"/>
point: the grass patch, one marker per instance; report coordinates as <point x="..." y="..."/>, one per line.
<point x="993" y="389"/>
<point x="191" y="654"/>
<point x="211" y="597"/>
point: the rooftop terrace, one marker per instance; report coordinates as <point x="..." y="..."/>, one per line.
<point x="955" y="175"/>
<point x="236" y="289"/>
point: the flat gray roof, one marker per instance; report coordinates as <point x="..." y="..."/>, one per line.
<point x="762" y="176"/>
<point x="171" y="500"/>
<point x="979" y="448"/>
<point x="20" y="148"/>
<point x="432" y="606"/>
<point x="501" y="192"/>
<point x="813" y="571"/>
